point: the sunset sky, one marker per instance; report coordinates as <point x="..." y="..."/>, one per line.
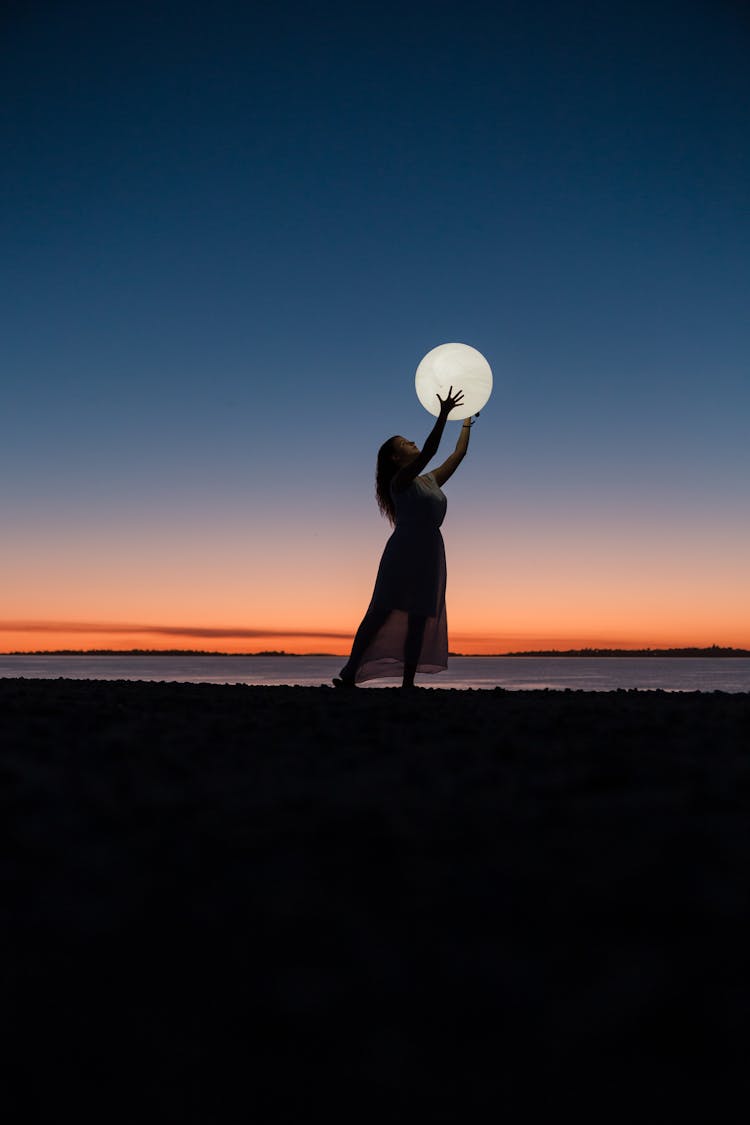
<point x="230" y="231"/>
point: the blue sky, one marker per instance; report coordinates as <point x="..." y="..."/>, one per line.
<point x="231" y="231"/>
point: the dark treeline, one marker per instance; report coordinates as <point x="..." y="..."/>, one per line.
<point x="153" y="652"/>
<point x="713" y="650"/>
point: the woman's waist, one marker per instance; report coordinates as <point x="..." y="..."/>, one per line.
<point x="416" y="528"/>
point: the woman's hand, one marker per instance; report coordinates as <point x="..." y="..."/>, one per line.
<point x="450" y="401"/>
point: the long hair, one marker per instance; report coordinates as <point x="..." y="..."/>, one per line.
<point x="384" y="473"/>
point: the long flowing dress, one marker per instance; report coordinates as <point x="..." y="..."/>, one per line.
<point x="411" y="581"/>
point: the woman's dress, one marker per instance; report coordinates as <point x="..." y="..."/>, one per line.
<point x="411" y="581"/>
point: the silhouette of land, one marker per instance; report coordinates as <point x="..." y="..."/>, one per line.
<point x="711" y="650"/>
<point x="155" y="652"/>
<point x="438" y="901"/>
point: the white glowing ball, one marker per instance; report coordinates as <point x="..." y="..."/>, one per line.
<point x="458" y="366"/>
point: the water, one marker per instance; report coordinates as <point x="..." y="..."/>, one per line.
<point x="519" y="673"/>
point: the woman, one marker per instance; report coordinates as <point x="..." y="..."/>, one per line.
<point x="405" y="629"/>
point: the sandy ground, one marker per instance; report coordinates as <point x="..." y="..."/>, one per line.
<point x="243" y="903"/>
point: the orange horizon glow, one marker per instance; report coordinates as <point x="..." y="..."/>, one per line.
<point x="534" y="581"/>
<point x="33" y="636"/>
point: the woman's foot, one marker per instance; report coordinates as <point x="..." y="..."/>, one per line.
<point x="344" y="680"/>
<point x="410" y="670"/>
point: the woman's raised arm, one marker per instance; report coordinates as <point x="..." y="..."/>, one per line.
<point x="410" y="472"/>
<point x="449" y="466"/>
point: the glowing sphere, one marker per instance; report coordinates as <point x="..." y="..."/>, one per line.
<point x="458" y="366"/>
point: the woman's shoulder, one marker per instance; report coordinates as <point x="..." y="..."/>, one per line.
<point x="419" y="484"/>
<point x="425" y="478"/>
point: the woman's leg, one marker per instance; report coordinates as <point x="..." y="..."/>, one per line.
<point x="413" y="648"/>
<point x="366" y="633"/>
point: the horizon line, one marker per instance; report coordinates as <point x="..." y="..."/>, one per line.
<point x="593" y="649"/>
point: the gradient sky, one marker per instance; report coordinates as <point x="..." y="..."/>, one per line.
<point x="231" y="231"/>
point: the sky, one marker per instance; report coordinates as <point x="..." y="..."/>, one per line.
<point x="231" y="231"/>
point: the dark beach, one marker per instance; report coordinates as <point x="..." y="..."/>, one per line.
<point x="240" y="902"/>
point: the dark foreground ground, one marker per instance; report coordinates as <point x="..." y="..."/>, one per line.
<point x="264" y="904"/>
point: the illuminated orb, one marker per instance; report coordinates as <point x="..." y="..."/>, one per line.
<point x="458" y="366"/>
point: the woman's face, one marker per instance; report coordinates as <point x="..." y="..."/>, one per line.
<point x="404" y="451"/>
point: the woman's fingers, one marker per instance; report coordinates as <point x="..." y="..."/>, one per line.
<point x="451" y="400"/>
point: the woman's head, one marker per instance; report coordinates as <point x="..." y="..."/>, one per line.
<point x="392" y="456"/>
<point x="403" y="451"/>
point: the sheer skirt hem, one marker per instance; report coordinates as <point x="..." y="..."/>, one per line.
<point x="390" y="651"/>
<point x="391" y="667"/>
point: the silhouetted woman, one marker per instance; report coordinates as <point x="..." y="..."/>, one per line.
<point x="405" y="629"/>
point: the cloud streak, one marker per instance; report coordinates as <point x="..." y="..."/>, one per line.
<point x="123" y="629"/>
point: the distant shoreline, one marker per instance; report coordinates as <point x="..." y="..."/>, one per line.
<point x="713" y="651"/>
<point x="710" y="651"/>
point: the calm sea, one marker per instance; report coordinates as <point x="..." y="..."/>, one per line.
<point x="520" y="673"/>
